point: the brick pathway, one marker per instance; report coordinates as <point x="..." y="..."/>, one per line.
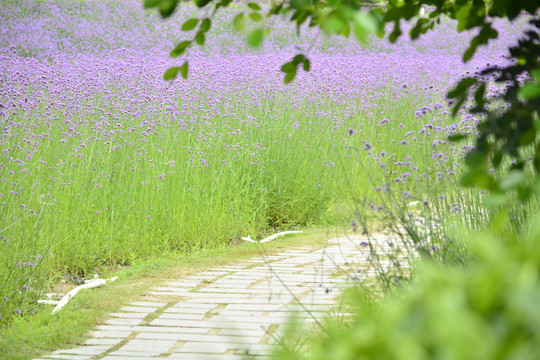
<point x="228" y="312"/>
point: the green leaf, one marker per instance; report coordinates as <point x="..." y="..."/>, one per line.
<point x="527" y="137"/>
<point x="202" y="3"/>
<point x="307" y="64"/>
<point x="456" y="137"/>
<point x="190" y="24"/>
<point x="496" y="200"/>
<point x="458" y="105"/>
<point x="256" y="37"/>
<point x="222" y="3"/>
<point x="254" y="6"/>
<point x="396" y="33"/>
<point x="462" y="16"/>
<point x="480" y="179"/>
<point x="200" y="38"/>
<point x="238" y="22"/>
<point x="530" y="91"/>
<point x="364" y="24"/>
<point x="461" y="87"/>
<point x="334" y="24"/>
<point x="180" y="48"/>
<point x="171" y="73"/>
<point x="290" y="77"/>
<point x="205" y="25"/>
<point x="479" y="95"/>
<point x="475" y="159"/>
<point x="393" y="15"/>
<point x="524" y="193"/>
<point x="288" y="67"/>
<point x="275" y="9"/>
<point x="167" y="7"/>
<point x="255" y="17"/>
<point x="513" y="179"/>
<point x="151" y="3"/>
<point x="497" y="159"/>
<point x="469" y="53"/>
<point x="298" y="59"/>
<point x="184" y="70"/>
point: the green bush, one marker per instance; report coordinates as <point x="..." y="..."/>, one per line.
<point x="489" y="309"/>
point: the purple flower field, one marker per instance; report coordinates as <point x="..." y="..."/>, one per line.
<point x="103" y="162"/>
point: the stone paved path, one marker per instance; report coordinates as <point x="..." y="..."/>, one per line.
<point x="228" y="312"/>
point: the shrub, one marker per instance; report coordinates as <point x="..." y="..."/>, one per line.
<point x="488" y="309"/>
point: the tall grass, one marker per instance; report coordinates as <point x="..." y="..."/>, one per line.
<point x="103" y="163"/>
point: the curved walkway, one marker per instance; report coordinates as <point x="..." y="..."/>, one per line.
<point x="228" y="312"/>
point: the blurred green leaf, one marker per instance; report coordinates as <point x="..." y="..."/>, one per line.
<point x="180" y="48"/>
<point x="254" y="6"/>
<point x="184" y="70"/>
<point x="468" y="54"/>
<point x="255" y="38"/>
<point x="456" y="137"/>
<point x="496" y="200"/>
<point x="364" y="24"/>
<point x="476" y="159"/>
<point x="462" y="16"/>
<point x="151" y="3"/>
<point x="334" y="24"/>
<point x="290" y="76"/>
<point x="396" y="33"/>
<point x="307" y="65"/>
<point x="171" y="73"/>
<point x="461" y="87"/>
<point x="238" y="22"/>
<point x="190" y="24"/>
<point x="298" y="59"/>
<point x="205" y="25"/>
<point x="167" y="7"/>
<point x="255" y="17"/>
<point x="528" y="137"/>
<point x="530" y="91"/>
<point x="202" y="3"/>
<point x="200" y="38"/>
<point x="288" y="67"/>
<point x="513" y="179"/>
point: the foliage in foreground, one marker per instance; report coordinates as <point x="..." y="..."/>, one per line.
<point x="486" y="310"/>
